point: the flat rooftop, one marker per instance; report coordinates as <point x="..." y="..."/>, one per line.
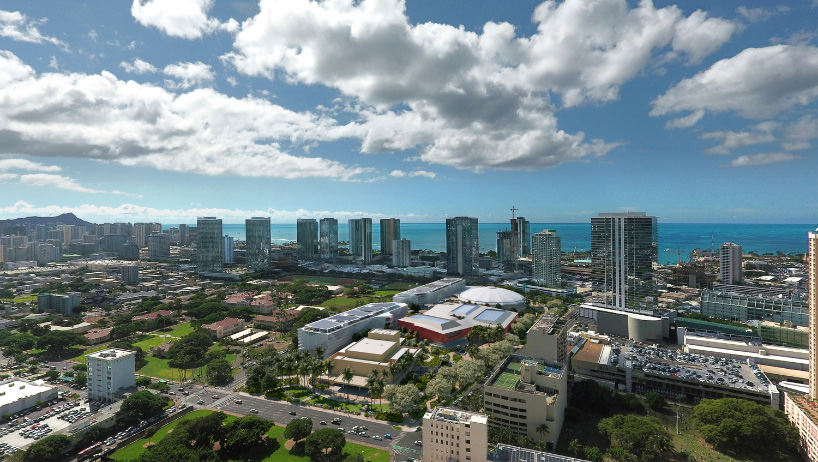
<point x="370" y="346"/>
<point x="111" y="353"/>
<point x="509" y="376"/>
<point x="455" y="416"/>
<point x="18" y="390"/>
<point x="431" y="287"/>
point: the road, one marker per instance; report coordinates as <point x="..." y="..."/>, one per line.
<point x="279" y="412"/>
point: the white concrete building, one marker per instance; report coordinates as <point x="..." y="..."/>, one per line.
<point x="335" y="332"/>
<point x="18" y="395"/>
<point x="547" y="255"/>
<point x="110" y="371"/>
<point x="730" y="270"/>
<point x="452" y="435"/>
<point x="431" y="293"/>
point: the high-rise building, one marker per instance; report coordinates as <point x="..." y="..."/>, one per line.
<point x="453" y="435"/>
<point x="130" y="274"/>
<point x="812" y="270"/>
<point x="401" y="253"/>
<point x="462" y="246"/>
<point x="307" y="239"/>
<point x="110" y="372"/>
<point x="328" y="239"/>
<point x="521" y="233"/>
<point x="142" y="231"/>
<point x="257" y="232"/>
<point x="624" y="249"/>
<point x="730" y="270"/>
<point x="506" y="255"/>
<point x="184" y="238"/>
<point x="229" y="244"/>
<point x="159" y="245"/>
<point x="545" y="265"/>
<point x="209" y="245"/>
<point x="360" y="239"/>
<point x="390" y="231"/>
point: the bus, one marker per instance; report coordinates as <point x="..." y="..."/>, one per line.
<point x="89" y="452"/>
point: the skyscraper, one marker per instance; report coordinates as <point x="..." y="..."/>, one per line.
<point x="401" y="253"/>
<point x="545" y="267"/>
<point x="505" y="250"/>
<point x="521" y="233"/>
<point x="307" y="239"/>
<point x="390" y="231"/>
<point x="623" y="252"/>
<point x="209" y="247"/>
<point x="328" y="239"/>
<point x="158" y="245"/>
<point x="360" y="239"/>
<point x="462" y="246"/>
<point x="184" y="238"/>
<point x="229" y="246"/>
<point x="730" y="270"/>
<point x="812" y="273"/>
<point x="257" y="232"/>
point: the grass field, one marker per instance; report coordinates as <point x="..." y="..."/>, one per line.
<point x="81" y="358"/>
<point x="180" y="330"/>
<point x="280" y="454"/>
<point x="152" y="341"/>
<point x="342" y="302"/>
<point x="335" y="404"/>
<point x="400" y="286"/>
<point x="30" y="298"/>
<point x="320" y="280"/>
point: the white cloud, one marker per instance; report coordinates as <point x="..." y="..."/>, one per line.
<point x="53" y="64"/>
<point x="756" y="83"/>
<point x="133" y="212"/>
<point x="685" y="122"/>
<point x="188" y="74"/>
<point x="100" y="117"/>
<point x="760" y="14"/>
<point x="465" y="99"/>
<point x="761" y="159"/>
<point x="19" y="27"/>
<point x="425" y="173"/>
<point x="56" y="181"/>
<point x="730" y="140"/>
<point x="138" y="67"/>
<point x="93" y="35"/>
<point x="397" y="174"/>
<point x="4" y="177"/>
<point x="23" y="164"/>
<point x="180" y="18"/>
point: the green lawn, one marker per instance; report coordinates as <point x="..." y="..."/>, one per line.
<point x="335" y="404"/>
<point x="386" y="293"/>
<point x="340" y="302"/>
<point x="281" y="454"/>
<point x="299" y="392"/>
<point x="81" y="358"/>
<point x="180" y="330"/>
<point x="151" y="341"/>
<point x="400" y="286"/>
<point x="159" y="368"/>
<point x="30" y="298"/>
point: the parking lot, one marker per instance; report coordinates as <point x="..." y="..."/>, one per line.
<point x="280" y="413"/>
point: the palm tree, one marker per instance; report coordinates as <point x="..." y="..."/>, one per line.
<point x="347" y="374"/>
<point x="371" y="381"/>
<point x="542" y="429"/>
<point x="380" y="385"/>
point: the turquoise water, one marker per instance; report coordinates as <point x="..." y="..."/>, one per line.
<point x="577" y="236"/>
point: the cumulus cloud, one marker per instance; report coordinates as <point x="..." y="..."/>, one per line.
<point x="187" y="74"/>
<point x="19" y="27"/>
<point x="5" y="177"/>
<point x="23" y="164"/>
<point x="753" y="15"/>
<point x="97" y="116"/>
<point x="732" y="140"/>
<point x="412" y="174"/>
<point x="761" y="159"/>
<point x="180" y="18"/>
<point x="97" y="213"/>
<point x="798" y="135"/>
<point x="397" y="174"/>
<point x="56" y="181"/>
<point x="465" y="99"/>
<point x="756" y="83"/>
<point x="137" y="67"/>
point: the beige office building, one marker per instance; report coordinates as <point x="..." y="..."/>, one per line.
<point x="378" y="351"/>
<point x="452" y="435"/>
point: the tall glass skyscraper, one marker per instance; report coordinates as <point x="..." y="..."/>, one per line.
<point x="547" y="252"/>
<point x="462" y="246"/>
<point x="521" y="233"/>
<point x="328" y="239"/>
<point x="209" y="248"/>
<point x="257" y="231"/>
<point x="307" y="239"/>
<point x="505" y="250"/>
<point x="390" y="231"/>
<point x="360" y="239"/>
<point x="624" y="249"/>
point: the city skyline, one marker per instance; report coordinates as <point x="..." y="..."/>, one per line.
<point x="165" y="111"/>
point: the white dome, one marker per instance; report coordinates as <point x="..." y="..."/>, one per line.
<point x="492" y="296"/>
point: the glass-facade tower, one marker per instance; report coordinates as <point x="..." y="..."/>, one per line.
<point x="390" y="231"/>
<point x="328" y="239"/>
<point x="521" y="233"/>
<point x="360" y="239"/>
<point x="547" y="253"/>
<point x="307" y="239"/>
<point x="462" y="246"/>
<point x="257" y="232"/>
<point x="624" y="250"/>
<point x="209" y="248"/>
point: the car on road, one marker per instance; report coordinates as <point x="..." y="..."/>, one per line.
<point x="419" y="442"/>
<point x="215" y="396"/>
<point x="201" y="401"/>
<point x="388" y="436"/>
<point x="336" y="420"/>
<point x="238" y="401"/>
<point x="254" y="411"/>
<point x="377" y="438"/>
<point x="292" y="412"/>
<point x="323" y="422"/>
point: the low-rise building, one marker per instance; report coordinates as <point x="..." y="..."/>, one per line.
<point x="453" y="435"/>
<point x="18" y="395"/>
<point x="61" y="303"/>
<point x="528" y="397"/>
<point x="378" y="351"/>
<point x="98" y="336"/>
<point x="156" y="315"/>
<point x="336" y="331"/>
<point x="448" y="322"/>
<point x="225" y="327"/>
<point x="433" y="292"/>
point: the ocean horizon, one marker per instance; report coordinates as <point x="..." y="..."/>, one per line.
<point x="685" y="237"/>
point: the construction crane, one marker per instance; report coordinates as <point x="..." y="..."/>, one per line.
<point x="678" y="255"/>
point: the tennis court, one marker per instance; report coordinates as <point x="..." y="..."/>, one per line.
<point x="507" y="380"/>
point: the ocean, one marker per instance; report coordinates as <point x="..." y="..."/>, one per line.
<point x="765" y="238"/>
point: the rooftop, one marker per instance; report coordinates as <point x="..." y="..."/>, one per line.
<point x="18" y="390"/>
<point x="111" y="353"/>
<point x="432" y="286"/>
<point x="347" y="318"/>
<point x="455" y="416"/>
<point x="226" y="322"/>
<point x="371" y="346"/>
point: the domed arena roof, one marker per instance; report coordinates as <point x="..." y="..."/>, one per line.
<point x="492" y="296"/>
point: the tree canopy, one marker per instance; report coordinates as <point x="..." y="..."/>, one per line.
<point x="325" y="444"/>
<point x="56" y="342"/>
<point x="643" y="437"/>
<point x="190" y="351"/>
<point x="143" y="404"/>
<point x="742" y="426"/>
<point x="48" y="449"/>
<point x="402" y="398"/>
<point x="298" y="429"/>
<point x="219" y="372"/>
<point x="244" y="433"/>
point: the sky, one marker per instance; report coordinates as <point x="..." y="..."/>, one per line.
<point x="165" y="110"/>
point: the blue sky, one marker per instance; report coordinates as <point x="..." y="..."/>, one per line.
<point x="171" y="109"/>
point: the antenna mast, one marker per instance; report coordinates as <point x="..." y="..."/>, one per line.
<point x="513" y="209"/>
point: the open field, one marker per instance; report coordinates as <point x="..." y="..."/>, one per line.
<point x="320" y="280"/>
<point x="400" y="286"/>
<point x="152" y="341"/>
<point x="180" y="330"/>
<point x="30" y="298"/>
<point x="278" y="454"/>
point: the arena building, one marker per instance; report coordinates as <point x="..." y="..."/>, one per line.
<point x="493" y="296"/>
<point x="448" y="322"/>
